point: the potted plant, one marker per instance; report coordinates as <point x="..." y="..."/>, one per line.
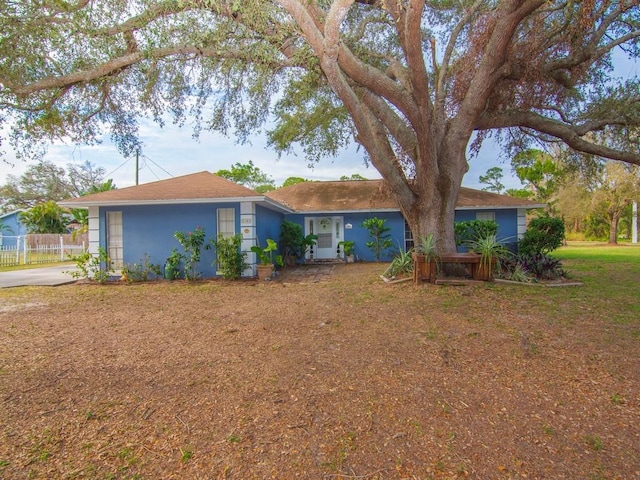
<point x="491" y="251"/>
<point x="348" y="248"/>
<point x="265" y="258"/>
<point x="425" y="258"/>
<point x="172" y="265"/>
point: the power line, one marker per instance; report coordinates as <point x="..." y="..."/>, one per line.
<point x="118" y="167"/>
<point x="147" y="158"/>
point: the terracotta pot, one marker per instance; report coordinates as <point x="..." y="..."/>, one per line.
<point x="264" y="271"/>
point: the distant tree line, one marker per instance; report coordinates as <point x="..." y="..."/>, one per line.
<point x="593" y="196"/>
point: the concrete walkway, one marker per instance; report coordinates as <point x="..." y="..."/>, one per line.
<point x="46" y="276"/>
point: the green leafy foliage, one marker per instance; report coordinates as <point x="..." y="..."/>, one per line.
<point x="493" y="180"/>
<point x="172" y="264"/>
<point x="45" y="217"/>
<point x="470" y="230"/>
<point x="492" y="251"/>
<point x="539" y="171"/>
<point x="380" y="238"/>
<point x="231" y="260"/>
<point x="523" y="267"/>
<point x="293" y="181"/>
<point x="353" y="176"/>
<point x="4" y="228"/>
<point x="543" y="235"/>
<point x="265" y="254"/>
<point x="402" y="263"/>
<point x="348" y="247"/>
<point x="427" y="246"/>
<point x="292" y="240"/>
<point x="141" y="271"/>
<point x="249" y="175"/>
<point x="192" y="243"/>
<point x="92" y="267"/>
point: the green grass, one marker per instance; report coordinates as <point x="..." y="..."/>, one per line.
<point x="30" y="266"/>
<point x="610" y="275"/>
<point x="592" y="253"/>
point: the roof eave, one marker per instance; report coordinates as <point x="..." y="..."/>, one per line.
<point x="501" y="207"/>
<point x="121" y="203"/>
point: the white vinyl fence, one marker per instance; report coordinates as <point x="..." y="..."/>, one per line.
<point x="39" y="248"/>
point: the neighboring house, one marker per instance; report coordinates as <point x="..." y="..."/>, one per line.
<point x="11" y="220"/>
<point x="131" y="222"/>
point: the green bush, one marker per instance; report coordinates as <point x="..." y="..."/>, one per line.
<point x="543" y="235"/>
<point x="92" y="267"/>
<point x="472" y="230"/>
<point x="293" y="242"/>
<point x="142" y="271"/>
<point x="231" y="261"/>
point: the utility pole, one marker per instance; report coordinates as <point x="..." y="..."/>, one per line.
<point x="136" y="166"/>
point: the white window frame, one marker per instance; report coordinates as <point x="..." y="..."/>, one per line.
<point x="486" y="216"/>
<point x="226" y="222"/>
<point x="115" y="239"/>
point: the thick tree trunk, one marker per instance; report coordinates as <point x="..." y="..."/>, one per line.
<point x="433" y="208"/>
<point x="437" y="218"/>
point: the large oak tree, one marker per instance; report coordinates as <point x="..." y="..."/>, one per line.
<point x="412" y="81"/>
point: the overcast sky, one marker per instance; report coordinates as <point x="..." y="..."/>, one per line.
<point x="172" y="151"/>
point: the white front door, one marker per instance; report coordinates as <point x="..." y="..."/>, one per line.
<point x="329" y="231"/>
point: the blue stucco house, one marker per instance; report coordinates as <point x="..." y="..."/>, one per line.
<point x="13" y="229"/>
<point x="136" y="221"/>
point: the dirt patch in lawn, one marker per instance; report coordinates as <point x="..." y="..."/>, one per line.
<point x="340" y="377"/>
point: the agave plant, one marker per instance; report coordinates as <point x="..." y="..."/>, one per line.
<point x="401" y="263"/>
<point x="427" y="246"/>
<point x="491" y="252"/>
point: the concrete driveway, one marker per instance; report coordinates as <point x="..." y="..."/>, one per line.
<point x="46" y="276"/>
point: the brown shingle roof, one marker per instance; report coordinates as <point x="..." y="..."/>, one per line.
<point x="370" y="195"/>
<point x="197" y="186"/>
<point x="333" y="196"/>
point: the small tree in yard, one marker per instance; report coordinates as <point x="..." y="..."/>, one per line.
<point x="379" y="233"/>
<point x="192" y="242"/>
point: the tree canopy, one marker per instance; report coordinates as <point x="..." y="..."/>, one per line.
<point x="45" y="217"/>
<point x="249" y="175"/>
<point x="412" y="81"/>
<point x="45" y="181"/>
<point x="493" y="180"/>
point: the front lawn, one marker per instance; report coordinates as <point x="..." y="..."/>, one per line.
<point x="344" y="378"/>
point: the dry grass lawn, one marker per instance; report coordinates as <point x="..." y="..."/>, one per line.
<point x="344" y="378"/>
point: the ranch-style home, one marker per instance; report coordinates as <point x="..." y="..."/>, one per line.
<point x="132" y="222"/>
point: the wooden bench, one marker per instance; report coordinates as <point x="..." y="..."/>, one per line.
<point x="427" y="272"/>
<point x="472" y="259"/>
